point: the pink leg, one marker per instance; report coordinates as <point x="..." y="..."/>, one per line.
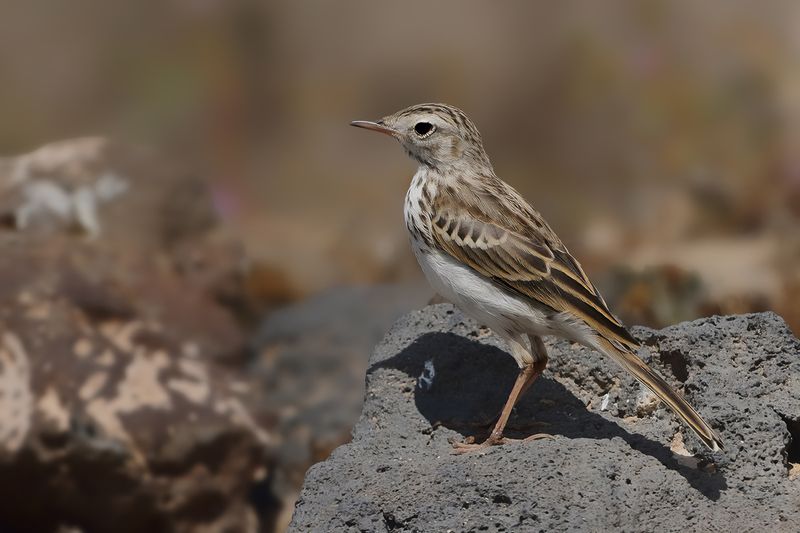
<point x="527" y="375"/>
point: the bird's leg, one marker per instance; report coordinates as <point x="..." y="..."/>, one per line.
<point x="539" y="353"/>
<point x="533" y="363"/>
<point x="526" y="374"/>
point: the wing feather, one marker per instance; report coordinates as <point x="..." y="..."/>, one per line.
<point x="530" y="267"/>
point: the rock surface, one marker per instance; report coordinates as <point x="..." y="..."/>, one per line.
<point x="616" y="460"/>
<point x="119" y="426"/>
<point x="309" y="366"/>
<point x="116" y="421"/>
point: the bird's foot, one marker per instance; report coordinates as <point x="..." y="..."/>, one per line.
<point x="469" y="445"/>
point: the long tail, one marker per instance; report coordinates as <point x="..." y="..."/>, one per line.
<point x="631" y="362"/>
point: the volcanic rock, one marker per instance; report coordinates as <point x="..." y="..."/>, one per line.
<point x="615" y="460"/>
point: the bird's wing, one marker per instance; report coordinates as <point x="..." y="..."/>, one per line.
<point x="532" y="264"/>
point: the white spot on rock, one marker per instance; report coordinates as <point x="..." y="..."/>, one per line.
<point x="425" y="380"/>
<point x="646" y="402"/>
<point x="604" y="402"/>
<point x="681" y="454"/>
<point x="121" y="335"/>
<point x="52" y="410"/>
<point x="197" y="388"/>
<point x="16" y="408"/>
<point x="82" y="348"/>
<point x="93" y="385"/>
<point x="194" y="391"/>
<point x="140" y="388"/>
<point x="60" y="183"/>
<point x="193" y="369"/>
<point x="109" y="185"/>
<point x="239" y="415"/>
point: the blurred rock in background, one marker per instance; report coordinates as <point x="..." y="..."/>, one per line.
<point x="114" y="409"/>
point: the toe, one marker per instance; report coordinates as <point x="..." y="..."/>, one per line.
<point x="538" y="436"/>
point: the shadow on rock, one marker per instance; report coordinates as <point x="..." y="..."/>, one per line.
<point x="470" y="382"/>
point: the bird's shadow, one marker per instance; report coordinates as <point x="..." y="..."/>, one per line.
<point x="471" y="383"/>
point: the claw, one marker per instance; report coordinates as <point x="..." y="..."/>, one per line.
<point x="538" y="436"/>
<point x="461" y="448"/>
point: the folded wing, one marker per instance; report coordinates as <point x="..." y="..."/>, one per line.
<point x="529" y="265"/>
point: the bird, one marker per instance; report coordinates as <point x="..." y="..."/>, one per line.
<point x="484" y="248"/>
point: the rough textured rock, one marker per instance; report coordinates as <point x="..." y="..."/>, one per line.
<point x="617" y="461"/>
<point x="115" y="427"/>
<point x="311" y="359"/>
<point x="114" y="415"/>
<point x="111" y="407"/>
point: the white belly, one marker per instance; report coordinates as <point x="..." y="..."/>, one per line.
<point x="479" y="298"/>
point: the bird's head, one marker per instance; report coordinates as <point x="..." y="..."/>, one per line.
<point x="436" y="135"/>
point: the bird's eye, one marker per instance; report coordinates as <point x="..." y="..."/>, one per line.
<point x="423" y="129"/>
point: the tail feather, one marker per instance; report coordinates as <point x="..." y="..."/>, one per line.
<point x="631" y="362"/>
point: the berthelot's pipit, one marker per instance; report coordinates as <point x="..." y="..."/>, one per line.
<point x="485" y="249"/>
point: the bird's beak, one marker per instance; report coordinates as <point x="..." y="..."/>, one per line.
<point x="374" y="126"/>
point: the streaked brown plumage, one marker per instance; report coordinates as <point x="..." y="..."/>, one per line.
<point x="482" y="246"/>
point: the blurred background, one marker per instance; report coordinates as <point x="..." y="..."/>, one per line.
<point x="186" y="167"/>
